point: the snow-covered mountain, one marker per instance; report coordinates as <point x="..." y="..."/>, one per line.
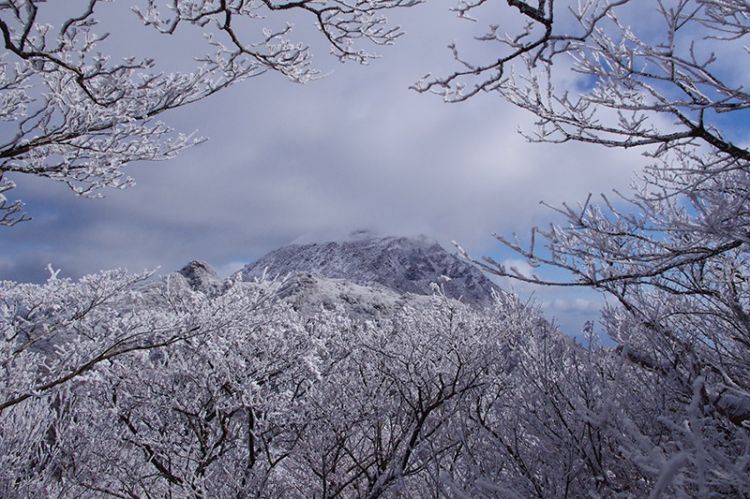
<point x="309" y="293"/>
<point x="399" y="264"/>
<point x="200" y="276"/>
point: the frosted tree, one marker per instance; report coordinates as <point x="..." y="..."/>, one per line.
<point x="120" y="386"/>
<point x="75" y="114"/>
<point x="99" y="387"/>
<point x="663" y="77"/>
<point x="389" y="409"/>
<point x="217" y="415"/>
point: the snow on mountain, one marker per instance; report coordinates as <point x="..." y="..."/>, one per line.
<point x="309" y="294"/>
<point x="400" y="264"/>
<point x="200" y="276"/>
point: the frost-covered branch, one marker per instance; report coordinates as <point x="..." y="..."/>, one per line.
<point x="673" y="251"/>
<point x="75" y="114"/>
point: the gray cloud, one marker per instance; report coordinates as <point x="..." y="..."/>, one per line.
<point x="357" y="149"/>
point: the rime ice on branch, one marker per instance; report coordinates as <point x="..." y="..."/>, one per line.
<point x="662" y="76"/>
<point x="74" y="114"/>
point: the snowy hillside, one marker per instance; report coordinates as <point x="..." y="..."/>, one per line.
<point x="309" y="294"/>
<point x="404" y="265"/>
<point x="200" y="276"/>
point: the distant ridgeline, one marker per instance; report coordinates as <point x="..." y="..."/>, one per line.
<point x="400" y="264"/>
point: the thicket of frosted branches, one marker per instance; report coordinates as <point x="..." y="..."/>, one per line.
<point x="72" y="113"/>
<point x="669" y="78"/>
<point x="116" y="386"/>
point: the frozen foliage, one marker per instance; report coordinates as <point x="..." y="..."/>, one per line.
<point x="73" y="113"/>
<point x="674" y="253"/>
<point x="402" y="264"/>
<point x="118" y="386"/>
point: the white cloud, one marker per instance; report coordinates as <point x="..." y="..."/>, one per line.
<point x="358" y="149"/>
<point x="229" y="268"/>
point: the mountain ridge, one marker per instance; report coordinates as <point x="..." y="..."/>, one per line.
<point x="401" y="264"/>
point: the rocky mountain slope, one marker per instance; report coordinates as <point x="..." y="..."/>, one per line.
<point x="200" y="276"/>
<point x="309" y="293"/>
<point x="399" y="264"/>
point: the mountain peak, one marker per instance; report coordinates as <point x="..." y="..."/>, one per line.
<point x="200" y="276"/>
<point x="402" y="264"/>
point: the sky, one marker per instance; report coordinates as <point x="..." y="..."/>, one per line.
<point x="355" y="150"/>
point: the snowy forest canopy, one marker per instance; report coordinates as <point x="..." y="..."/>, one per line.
<point x="126" y="389"/>
<point x="121" y="385"/>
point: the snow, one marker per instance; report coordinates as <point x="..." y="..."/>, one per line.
<point x="202" y="277"/>
<point x="401" y="264"/>
<point x="310" y="294"/>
